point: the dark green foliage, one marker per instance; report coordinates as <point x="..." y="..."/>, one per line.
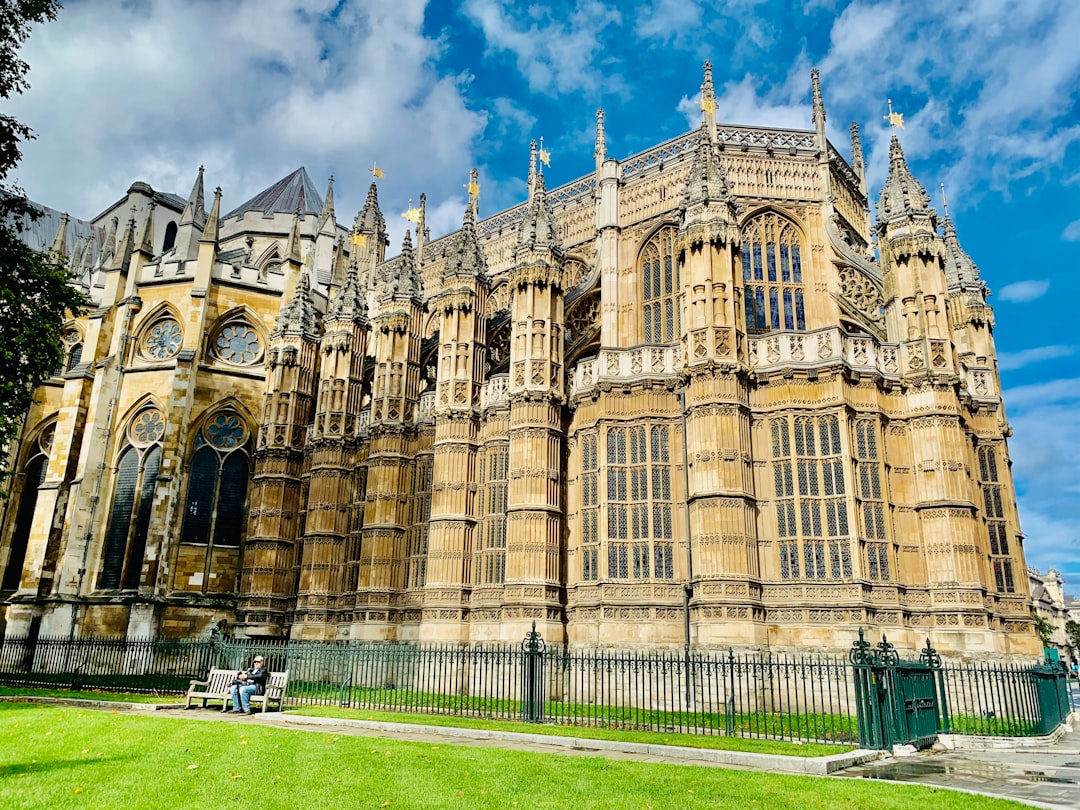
<point x="36" y="291"/>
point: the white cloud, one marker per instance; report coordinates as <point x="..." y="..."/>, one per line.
<point x="741" y="103"/>
<point x="556" y="53"/>
<point x="1012" y="361"/>
<point x="1022" y="291"/>
<point x="1072" y="231"/>
<point x="252" y="89"/>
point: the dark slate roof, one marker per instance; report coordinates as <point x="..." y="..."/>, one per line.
<point x="286" y="195"/>
<point x="165" y="198"/>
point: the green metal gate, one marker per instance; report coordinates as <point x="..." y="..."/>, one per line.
<point x="897" y="702"/>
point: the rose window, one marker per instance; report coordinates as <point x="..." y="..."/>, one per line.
<point x="163" y="339"/>
<point x="237" y="343"/>
<point x="225" y="431"/>
<point x="149" y="426"/>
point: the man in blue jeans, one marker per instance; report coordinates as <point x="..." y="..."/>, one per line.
<point x="246" y="684"/>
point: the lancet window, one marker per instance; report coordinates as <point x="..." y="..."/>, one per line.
<point x="772" y="275"/>
<point x="590" y="509"/>
<point x="661" y="288"/>
<point x="416" y="565"/>
<point x="133" y="498"/>
<point x="33" y="475"/>
<point x="811" y="510"/>
<point x="353" y="545"/>
<point x="871" y="501"/>
<point x="639" y="503"/>
<point x="994" y="512"/>
<point x="216" y="493"/>
<point x="492" y="563"/>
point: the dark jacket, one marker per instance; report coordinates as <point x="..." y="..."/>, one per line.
<point x="258" y="675"/>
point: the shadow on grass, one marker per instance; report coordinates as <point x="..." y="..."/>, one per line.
<point x="46" y="766"/>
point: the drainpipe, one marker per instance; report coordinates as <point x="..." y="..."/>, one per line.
<point x="688" y="587"/>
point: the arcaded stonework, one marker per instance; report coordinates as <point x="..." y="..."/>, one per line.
<point x="681" y="395"/>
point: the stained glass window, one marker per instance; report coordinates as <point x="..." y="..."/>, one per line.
<point x="772" y="275"/>
<point x="661" y="288"/>
<point x="491" y="562"/>
<point x="225" y="431"/>
<point x="129" y="522"/>
<point x="994" y="514"/>
<point x="163" y="339"/>
<point x="33" y="477"/>
<point x="148" y="427"/>
<point x="238" y="343"/>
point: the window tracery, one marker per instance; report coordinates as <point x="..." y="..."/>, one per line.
<point x="661" y="288"/>
<point x="162" y="340"/>
<point x="590" y="510"/>
<point x="33" y="476"/>
<point x="871" y="501"/>
<point x="994" y="512"/>
<point x="237" y="343"/>
<point x="811" y="509"/>
<point x="772" y="275"/>
<point x="416" y="564"/>
<point x="494" y="476"/>
<point x="217" y="484"/>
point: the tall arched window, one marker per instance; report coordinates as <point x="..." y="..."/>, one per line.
<point x="170" y="237"/>
<point x="661" y="287"/>
<point x="133" y="500"/>
<point x="33" y="476"/>
<point x="994" y="513"/>
<point x="772" y="275"/>
<point x="217" y="492"/>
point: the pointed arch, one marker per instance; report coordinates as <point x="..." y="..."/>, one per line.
<point x="35" y="462"/>
<point x="271" y="254"/>
<point x="660" y="279"/>
<point x="159" y="334"/>
<point x="237" y="337"/>
<point x="773" y="256"/>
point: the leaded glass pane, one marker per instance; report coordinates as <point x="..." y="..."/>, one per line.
<point x="127" y="478"/>
<point x="34" y="476"/>
<point x="232" y="495"/>
<point x="199" y="508"/>
<point x="238" y="343"/>
<point x="142" y="520"/>
<point x="163" y="340"/>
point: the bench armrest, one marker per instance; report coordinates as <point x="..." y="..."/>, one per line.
<point x="193" y="684"/>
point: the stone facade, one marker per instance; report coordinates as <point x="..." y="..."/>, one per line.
<point x="682" y="398"/>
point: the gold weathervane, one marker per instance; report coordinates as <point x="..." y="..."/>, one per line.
<point x="376" y="172"/>
<point x="412" y="214"/>
<point x="895" y="119"/>
<point x="545" y="155"/>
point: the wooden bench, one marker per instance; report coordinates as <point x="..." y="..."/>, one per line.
<point x="217" y="684"/>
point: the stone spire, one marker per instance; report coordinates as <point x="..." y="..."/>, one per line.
<point x="401" y="279"/>
<point x="328" y="201"/>
<point x="707" y="181"/>
<point x="146" y="235"/>
<point x="298" y="316"/>
<point x="195" y="210"/>
<point x="108" y="247"/>
<point x="125" y="246"/>
<point x="537" y="229"/>
<point x="210" y="232"/>
<point x="858" y="163"/>
<point x="467" y="258"/>
<point x="902" y="195"/>
<point x="960" y="271"/>
<point x="59" y="245"/>
<point x="370" y="219"/>
<point x="600" y="150"/>
<point x="708" y="103"/>
<point x="819" y="107"/>
<point x="341" y="264"/>
<point x="77" y="254"/>
<point x="350" y="303"/>
<point x="532" y="168"/>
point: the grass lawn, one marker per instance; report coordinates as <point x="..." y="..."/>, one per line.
<point x="125" y="697"/>
<point x="64" y="757"/>
<point x="585" y="732"/>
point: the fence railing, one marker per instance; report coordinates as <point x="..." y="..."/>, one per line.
<point x="747" y="694"/>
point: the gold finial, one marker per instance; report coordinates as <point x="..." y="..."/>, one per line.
<point x="895" y="119"/>
<point x="376" y="172"/>
<point x="545" y="155"/>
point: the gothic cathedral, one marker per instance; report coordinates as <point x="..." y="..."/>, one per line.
<point x="696" y="396"/>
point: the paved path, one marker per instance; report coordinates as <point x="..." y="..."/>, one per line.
<point x="1045" y="777"/>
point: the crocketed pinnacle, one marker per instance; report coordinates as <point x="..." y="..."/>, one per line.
<point x="292" y="247"/>
<point x="400" y="279"/>
<point x="819" y="103"/>
<point x="350" y="304"/>
<point x="902" y="195"/>
<point x="125" y="247"/>
<point x="146" y="236"/>
<point x="467" y="257"/>
<point x="108" y="247"/>
<point x="370" y="219"/>
<point x="960" y="271"/>
<point x="298" y="316"/>
<point x="195" y="210"/>
<point x="537" y="229"/>
<point x="59" y="245"/>
<point x="210" y="232"/>
<point x="707" y="181"/>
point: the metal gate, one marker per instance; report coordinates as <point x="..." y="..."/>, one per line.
<point x="897" y="702"/>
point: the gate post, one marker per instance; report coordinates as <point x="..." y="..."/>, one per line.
<point x="867" y="715"/>
<point x="932" y="659"/>
<point x="532" y="677"/>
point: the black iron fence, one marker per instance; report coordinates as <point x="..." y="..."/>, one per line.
<point x="748" y="694"/>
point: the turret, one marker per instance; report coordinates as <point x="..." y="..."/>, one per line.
<point x="192" y="222"/>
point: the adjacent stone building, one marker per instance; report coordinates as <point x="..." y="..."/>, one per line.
<point x="683" y="398"/>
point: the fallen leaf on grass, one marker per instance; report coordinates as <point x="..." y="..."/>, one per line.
<point x="461" y="793"/>
<point x="192" y="767"/>
<point x="86" y="750"/>
<point x="244" y="742"/>
<point x="236" y="776"/>
<point x="385" y="804"/>
<point x="79" y="789"/>
<point x="388" y="753"/>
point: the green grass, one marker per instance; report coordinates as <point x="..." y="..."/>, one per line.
<point x="64" y="757"/>
<point x="823" y="727"/>
<point x="723" y="743"/>
<point x="125" y="697"/>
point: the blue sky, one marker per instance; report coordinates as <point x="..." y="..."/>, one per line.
<point x="254" y="88"/>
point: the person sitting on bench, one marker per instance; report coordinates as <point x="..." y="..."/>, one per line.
<point x="246" y="684"/>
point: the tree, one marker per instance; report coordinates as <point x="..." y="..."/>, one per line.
<point x="1072" y="630"/>
<point x="37" y="293"/>
<point x="1044" y="630"/>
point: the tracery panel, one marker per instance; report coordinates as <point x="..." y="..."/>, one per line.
<point x="773" y="294"/>
<point x="661" y="288"/>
